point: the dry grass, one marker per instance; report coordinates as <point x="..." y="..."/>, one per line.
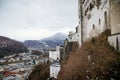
<point x="94" y="60"/>
<point x="40" y="72"/>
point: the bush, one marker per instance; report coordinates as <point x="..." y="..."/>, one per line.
<point x="93" y="61"/>
<point x="40" y="72"/>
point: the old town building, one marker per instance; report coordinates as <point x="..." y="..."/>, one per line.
<point x="95" y="16"/>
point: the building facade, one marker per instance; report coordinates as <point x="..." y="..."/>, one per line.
<point x="114" y="39"/>
<point x="54" y="69"/>
<point x="95" y="16"/>
<point x="54" y="55"/>
<point x="73" y="36"/>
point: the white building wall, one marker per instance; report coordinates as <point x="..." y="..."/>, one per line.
<point x="73" y="38"/>
<point x="54" y="55"/>
<point x="54" y="70"/>
<point x="79" y="36"/>
<point x="96" y="15"/>
<point x="58" y="49"/>
<point x="113" y="41"/>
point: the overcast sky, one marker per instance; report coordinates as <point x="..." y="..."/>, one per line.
<point x="37" y="19"/>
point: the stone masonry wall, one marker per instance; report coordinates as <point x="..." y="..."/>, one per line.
<point x="115" y="16"/>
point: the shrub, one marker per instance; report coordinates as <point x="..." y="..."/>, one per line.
<point x="93" y="61"/>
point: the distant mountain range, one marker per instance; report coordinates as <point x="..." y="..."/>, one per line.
<point x="46" y="43"/>
<point x="9" y="46"/>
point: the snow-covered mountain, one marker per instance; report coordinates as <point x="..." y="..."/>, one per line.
<point x="57" y="36"/>
<point x="47" y="43"/>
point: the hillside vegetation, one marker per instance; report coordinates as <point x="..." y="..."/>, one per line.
<point x="9" y="46"/>
<point x="95" y="60"/>
<point x="40" y="72"/>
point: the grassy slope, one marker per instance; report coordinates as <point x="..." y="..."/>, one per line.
<point x="94" y="60"/>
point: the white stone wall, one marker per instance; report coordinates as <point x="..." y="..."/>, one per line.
<point x="113" y="41"/>
<point x="96" y="18"/>
<point x="79" y="36"/>
<point x="73" y="37"/>
<point x="115" y="16"/>
<point x="54" y="70"/>
<point x="54" y="55"/>
<point x="93" y="17"/>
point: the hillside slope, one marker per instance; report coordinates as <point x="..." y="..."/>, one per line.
<point x="32" y="44"/>
<point x="40" y="72"/>
<point x="47" y="43"/>
<point x="9" y="46"/>
<point x="95" y="60"/>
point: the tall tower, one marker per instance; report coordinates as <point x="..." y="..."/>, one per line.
<point x="80" y="17"/>
<point x="115" y="16"/>
<point x="114" y="39"/>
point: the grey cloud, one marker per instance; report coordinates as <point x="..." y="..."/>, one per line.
<point x="51" y="15"/>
